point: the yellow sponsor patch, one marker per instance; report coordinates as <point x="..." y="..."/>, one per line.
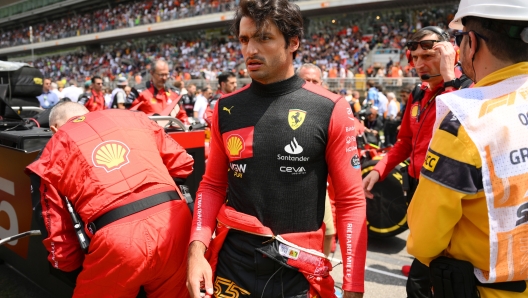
<point x="37" y="81"/>
<point x="430" y="161"/>
<point x="414" y="111"/>
<point x="80" y="119"/>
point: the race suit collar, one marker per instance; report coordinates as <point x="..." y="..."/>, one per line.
<point x="502" y="74"/>
<point x="278" y="88"/>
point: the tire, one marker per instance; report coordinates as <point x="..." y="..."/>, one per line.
<point x="387" y="211"/>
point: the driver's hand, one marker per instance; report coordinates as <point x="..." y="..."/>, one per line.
<point x="368" y="183"/>
<point x="198" y="271"/>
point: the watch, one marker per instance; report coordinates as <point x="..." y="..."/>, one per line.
<point x="456" y="83"/>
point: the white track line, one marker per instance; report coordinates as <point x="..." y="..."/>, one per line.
<point x="386" y="273"/>
<point x="337" y="261"/>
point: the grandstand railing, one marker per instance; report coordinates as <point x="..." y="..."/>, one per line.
<point x="360" y="84"/>
<point x="25" y="6"/>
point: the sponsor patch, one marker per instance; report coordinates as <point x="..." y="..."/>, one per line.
<point x="79" y="119"/>
<point x="293" y="147"/>
<point x="293" y="170"/>
<point x="228" y="110"/>
<point x="431" y="160"/>
<point x="224" y="287"/>
<point x="110" y="155"/>
<point x="356" y="164"/>
<point x="288" y="252"/>
<point x="238" y="169"/>
<point x="296" y="118"/>
<point x="238" y="143"/>
<point x="414" y="110"/>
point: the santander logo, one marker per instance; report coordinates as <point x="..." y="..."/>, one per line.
<point x="293" y="147"/>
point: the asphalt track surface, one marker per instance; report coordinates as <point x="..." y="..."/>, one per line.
<point x="383" y="277"/>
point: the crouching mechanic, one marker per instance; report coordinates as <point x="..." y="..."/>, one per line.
<point x="118" y="169"/>
<point x="273" y="144"/>
<point x="475" y="175"/>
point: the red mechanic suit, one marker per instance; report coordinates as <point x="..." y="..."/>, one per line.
<point x="95" y="101"/>
<point x="154" y="101"/>
<point x="101" y="161"/>
<point x="416" y="131"/>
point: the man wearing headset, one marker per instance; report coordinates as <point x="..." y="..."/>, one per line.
<point x="433" y="57"/>
<point x="475" y="176"/>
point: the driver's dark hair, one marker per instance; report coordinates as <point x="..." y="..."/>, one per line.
<point x="284" y="14"/>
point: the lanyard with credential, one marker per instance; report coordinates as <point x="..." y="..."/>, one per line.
<point x="420" y="111"/>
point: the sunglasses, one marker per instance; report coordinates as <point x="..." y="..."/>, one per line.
<point x="425" y="44"/>
<point x="460" y="35"/>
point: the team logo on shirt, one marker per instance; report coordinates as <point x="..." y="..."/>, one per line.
<point x="296" y="118"/>
<point x="110" y="155"/>
<point x="79" y="119"/>
<point x="239" y="143"/>
<point x="154" y="101"/>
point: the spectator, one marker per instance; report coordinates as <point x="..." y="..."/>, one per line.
<point x="390" y="130"/>
<point x="354" y="102"/>
<point x="383" y="102"/>
<point x="94" y="100"/>
<point x="373" y="126"/>
<point x="310" y="73"/>
<point x="201" y="104"/>
<point x="372" y="95"/>
<point x="119" y="95"/>
<point x="72" y="91"/>
<point x="54" y="89"/>
<point x="47" y="99"/>
<point x="189" y="99"/>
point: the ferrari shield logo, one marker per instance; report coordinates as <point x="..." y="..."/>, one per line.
<point x="296" y="118"/>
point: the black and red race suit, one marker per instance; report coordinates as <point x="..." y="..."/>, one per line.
<point x="101" y="161"/>
<point x="272" y="147"/>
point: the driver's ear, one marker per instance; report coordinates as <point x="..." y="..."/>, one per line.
<point x="54" y="129"/>
<point x="294" y="44"/>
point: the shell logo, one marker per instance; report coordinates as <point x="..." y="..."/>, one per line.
<point x="235" y="145"/>
<point x="414" y="110"/>
<point x="110" y="155"/>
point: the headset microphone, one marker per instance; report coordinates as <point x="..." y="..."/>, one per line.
<point x="427" y="77"/>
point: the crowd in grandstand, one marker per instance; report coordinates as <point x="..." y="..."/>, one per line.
<point x="122" y="15"/>
<point x="339" y="50"/>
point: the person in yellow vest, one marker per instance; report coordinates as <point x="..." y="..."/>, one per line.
<point x="472" y="200"/>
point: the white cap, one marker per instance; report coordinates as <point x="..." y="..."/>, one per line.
<point x="508" y="10"/>
<point x="122" y="81"/>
